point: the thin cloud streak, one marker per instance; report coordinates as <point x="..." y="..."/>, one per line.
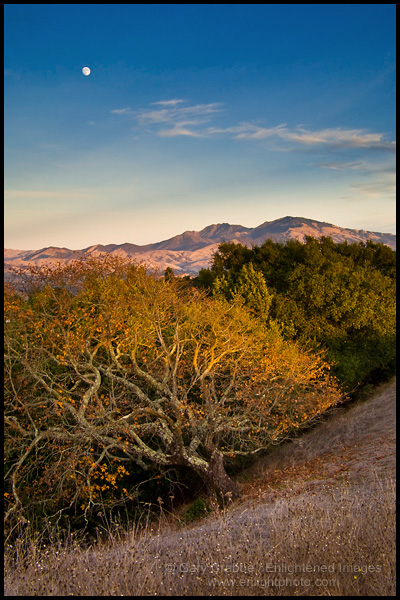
<point x="338" y="138"/>
<point x="168" y="102"/>
<point x="172" y="113"/>
<point x="361" y="165"/>
<point x="340" y="166"/>
<point x="179" y="117"/>
<point x="177" y="131"/>
<point x="122" y="111"/>
<point x="176" y="115"/>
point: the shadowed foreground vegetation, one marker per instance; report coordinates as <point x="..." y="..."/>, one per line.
<point x="322" y="545"/>
<point x="336" y="537"/>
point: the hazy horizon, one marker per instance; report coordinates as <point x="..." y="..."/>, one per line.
<point x="194" y="115"/>
<point x="190" y="231"/>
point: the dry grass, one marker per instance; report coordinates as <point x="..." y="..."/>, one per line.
<point x="321" y="529"/>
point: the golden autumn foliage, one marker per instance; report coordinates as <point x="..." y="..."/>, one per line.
<point x="108" y="367"/>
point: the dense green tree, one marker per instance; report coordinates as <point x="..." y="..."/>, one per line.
<point x="249" y="289"/>
<point x="338" y="296"/>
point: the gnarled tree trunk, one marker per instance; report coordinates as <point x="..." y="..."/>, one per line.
<point x="219" y="484"/>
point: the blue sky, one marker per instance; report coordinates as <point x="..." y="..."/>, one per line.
<point x="195" y="114"/>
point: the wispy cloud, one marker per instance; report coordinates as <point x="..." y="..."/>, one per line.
<point x="364" y="166"/>
<point x="334" y="138"/>
<point x="122" y="111"/>
<point x="179" y="117"/>
<point x="384" y="185"/>
<point x="339" y="166"/>
<point x="342" y="138"/>
<point x="176" y="117"/>
<point x="180" y="130"/>
<point x="168" y="102"/>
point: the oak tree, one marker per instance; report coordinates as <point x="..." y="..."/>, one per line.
<point x="109" y="366"/>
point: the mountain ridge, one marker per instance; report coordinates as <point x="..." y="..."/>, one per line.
<point x="190" y="251"/>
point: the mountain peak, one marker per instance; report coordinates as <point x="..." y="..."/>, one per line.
<point x="191" y="251"/>
<point x="220" y="229"/>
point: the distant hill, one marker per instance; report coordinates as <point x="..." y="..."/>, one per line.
<point x="191" y="251"/>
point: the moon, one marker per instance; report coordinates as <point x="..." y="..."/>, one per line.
<point x="86" y="71"/>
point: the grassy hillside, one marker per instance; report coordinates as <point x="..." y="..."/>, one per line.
<point x="317" y="518"/>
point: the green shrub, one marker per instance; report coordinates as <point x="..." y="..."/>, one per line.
<point x="198" y="510"/>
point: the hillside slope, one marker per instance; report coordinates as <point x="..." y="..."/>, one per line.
<point x="355" y="446"/>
